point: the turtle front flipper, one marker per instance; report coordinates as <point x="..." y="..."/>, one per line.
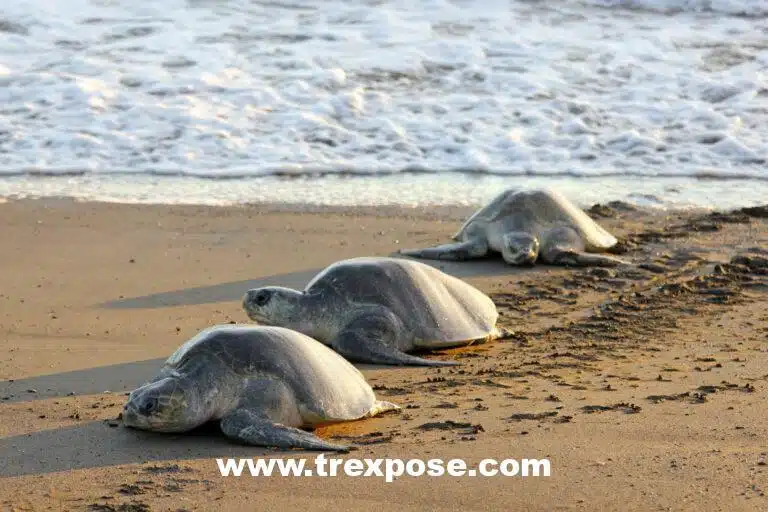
<point x="371" y="337"/>
<point x="459" y="251"/>
<point x="254" y="428"/>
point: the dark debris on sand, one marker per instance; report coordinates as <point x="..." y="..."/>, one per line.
<point x="460" y="426"/>
<point x="609" y="210"/>
<point x="699" y="395"/>
<point x="658" y="307"/>
<point x="123" y="507"/>
<point x="390" y="391"/>
<point x="169" y="468"/>
<point x="532" y="416"/>
<point x="760" y="212"/>
<point x="626" y="408"/>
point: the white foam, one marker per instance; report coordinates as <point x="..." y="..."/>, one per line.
<point x="247" y="88"/>
<point x="394" y="189"/>
<point x="752" y="8"/>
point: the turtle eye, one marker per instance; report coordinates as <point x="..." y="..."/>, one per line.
<point x="149" y="406"/>
<point x="261" y="298"/>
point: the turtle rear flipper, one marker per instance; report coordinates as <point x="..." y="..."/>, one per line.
<point x="254" y="428"/>
<point x="585" y="259"/>
<point x="382" y="406"/>
<point x="563" y="245"/>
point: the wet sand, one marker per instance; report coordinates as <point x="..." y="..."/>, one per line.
<point x="645" y="388"/>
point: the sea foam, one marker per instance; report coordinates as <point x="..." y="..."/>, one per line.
<point x="243" y="88"/>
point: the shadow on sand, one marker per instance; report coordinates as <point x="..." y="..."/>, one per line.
<point x="95" y="444"/>
<point x="234" y="290"/>
<point x="116" y="378"/>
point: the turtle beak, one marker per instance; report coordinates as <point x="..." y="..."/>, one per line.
<point x="247" y="301"/>
<point x="526" y="258"/>
<point x="533" y="254"/>
<point x="129" y="417"/>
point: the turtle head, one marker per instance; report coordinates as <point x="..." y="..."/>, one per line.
<point x="170" y="404"/>
<point x="273" y="305"/>
<point x="520" y="249"/>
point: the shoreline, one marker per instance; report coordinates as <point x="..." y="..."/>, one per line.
<point x="422" y="190"/>
<point x="627" y="381"/>
<point x="438" y="212"/>
<point x="423" y="212"/>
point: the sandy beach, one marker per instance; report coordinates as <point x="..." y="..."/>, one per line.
<point x="645" y="388"/>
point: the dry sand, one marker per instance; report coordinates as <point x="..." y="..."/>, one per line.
<point x="646" y="389"/>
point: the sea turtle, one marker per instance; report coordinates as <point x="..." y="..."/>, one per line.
<point x="262" y="383"/>
<point x="525" y="226"/>
<point x="375" y="309"/>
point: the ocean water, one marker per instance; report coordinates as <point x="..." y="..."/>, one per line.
<point x="662" y="102"/>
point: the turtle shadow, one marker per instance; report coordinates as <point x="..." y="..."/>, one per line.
<point x="115" y="379"/>
<point x="96" y="444"/>
<point x="234" y="290"/>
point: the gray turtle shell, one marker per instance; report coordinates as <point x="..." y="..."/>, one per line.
<point x="325" y="384"/>
<point x="534" y="211"/>
<point x="437" y="309"/>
